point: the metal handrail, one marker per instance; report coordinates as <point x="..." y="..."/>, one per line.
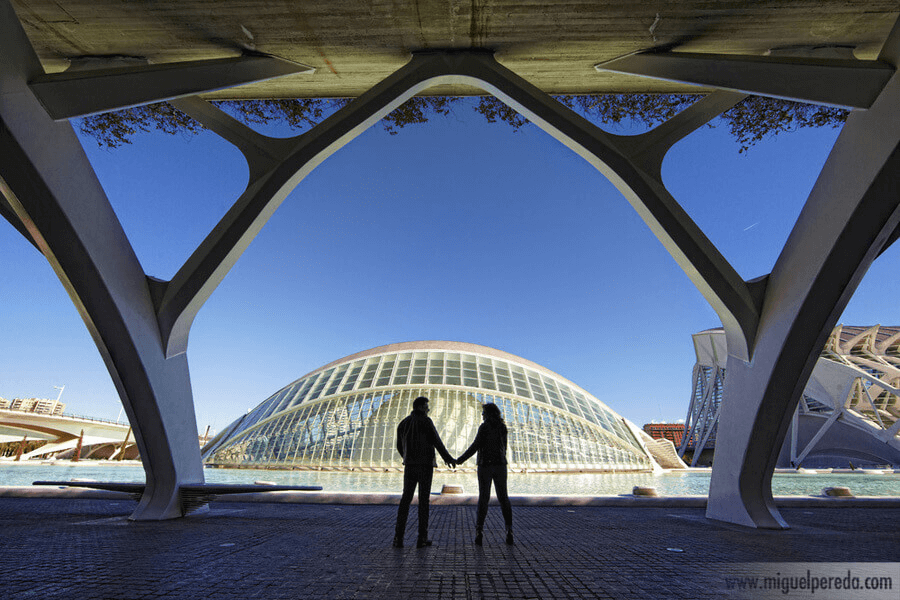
<point x="68" y="416"/>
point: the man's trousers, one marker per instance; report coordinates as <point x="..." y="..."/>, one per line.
<point x="413" y="476"/>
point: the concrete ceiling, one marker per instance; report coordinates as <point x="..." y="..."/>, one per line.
<point x="353" y="44"/>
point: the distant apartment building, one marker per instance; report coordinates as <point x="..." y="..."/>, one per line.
<point x="41" y="406"/>
<point x="4" y="403"/>
<point x="673" y="432"/>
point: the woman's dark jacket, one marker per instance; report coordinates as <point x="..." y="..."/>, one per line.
<point x="490" y="443"/>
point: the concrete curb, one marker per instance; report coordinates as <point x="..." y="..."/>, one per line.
<point x="286" y="497"/>
<point x="27" y="491"/>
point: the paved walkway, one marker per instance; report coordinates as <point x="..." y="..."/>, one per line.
<point x="87" y="549"/>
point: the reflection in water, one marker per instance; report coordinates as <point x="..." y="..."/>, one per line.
<point x="685" y="483"/>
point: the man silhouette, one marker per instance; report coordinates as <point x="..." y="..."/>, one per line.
<point x="417" y="440"/>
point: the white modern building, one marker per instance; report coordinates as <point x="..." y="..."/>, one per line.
<point x="849" y="413"/>
<point x="344" y="415"/>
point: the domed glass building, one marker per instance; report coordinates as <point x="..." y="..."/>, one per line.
<point x="344" y="415"/>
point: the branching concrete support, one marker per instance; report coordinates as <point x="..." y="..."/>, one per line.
<point x="50" y="193"/>
<point x="850" y="216"/>
<point x="631" y="163"/>
<point x="850" y="83"/>
<point x="79" y="93"/>
<point x="277" y="166"/>
<point x="47" y="180"/>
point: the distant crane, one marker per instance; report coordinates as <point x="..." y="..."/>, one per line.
<point x="60" y="391"/>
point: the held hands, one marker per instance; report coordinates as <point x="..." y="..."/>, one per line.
<point x="453" y="462"/>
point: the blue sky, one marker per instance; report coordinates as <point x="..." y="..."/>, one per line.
<point x="453" y="230"/>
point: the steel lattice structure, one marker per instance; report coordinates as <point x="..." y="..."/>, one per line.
<point x="849" y="411"/>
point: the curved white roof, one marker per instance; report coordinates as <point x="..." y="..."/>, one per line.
<point x="445" y="346"/>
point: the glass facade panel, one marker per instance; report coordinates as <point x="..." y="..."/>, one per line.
<point x="284" y="398"/>
<point x="585" y="407"/>
<point x="537" y="390"/>
<point x="387" y="367"/>
<point x="270" y="406"/>
<point x="401" y="374"/>
<point x="569" y="400"/>
<point x="355" y="370"/>
<point x="504" y="379"/>
<point x="470" y="371"/>
<point x="518" y="374"/>
<point x="454" y="369"/>
<point x="553" y="393"/>
<point x="486" y="373"/>
<point x="336" y="381"/>
<point x="305" y="385"/>
<point x="369" y="374"/>
<point x="436" y="369"/>
<point x="419" y="366"/>
<point x="320" y="384"/>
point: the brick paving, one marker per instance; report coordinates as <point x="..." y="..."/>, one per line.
<point x="87" y="549"/>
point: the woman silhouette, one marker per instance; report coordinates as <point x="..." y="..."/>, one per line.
<point x="490" y="443"/>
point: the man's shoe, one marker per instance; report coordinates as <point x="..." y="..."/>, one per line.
<point x="479" y="538"/>
<point x="398" y="542"/>
<point x="422" y="542"/>
<point x="509" y="537"/>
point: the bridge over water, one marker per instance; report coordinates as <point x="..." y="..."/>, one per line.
<point x="63" y="432"/>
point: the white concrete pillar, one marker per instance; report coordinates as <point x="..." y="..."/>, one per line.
<point x="849" y="218"/>
<point x="49" y="184"/>
<point x="851" y="213"/>
<point x="49" y="192"/>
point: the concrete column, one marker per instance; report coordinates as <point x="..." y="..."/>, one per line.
<point x="76" y="455"/>
<point x="124" y="446"/>
<point x="49" y="185"/>
<point x="846" y="222"/>
<point x="21" y="448"/>
<point x="849" y="218"/>
<point x="49" y="192"/>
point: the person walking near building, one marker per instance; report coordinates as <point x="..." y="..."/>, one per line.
<point x="490" y="443"/>
<point x="417" y="439"/>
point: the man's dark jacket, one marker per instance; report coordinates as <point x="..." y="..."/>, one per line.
<point x="417" y="440"/>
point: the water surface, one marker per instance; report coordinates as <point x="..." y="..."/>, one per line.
<point x="675" y="483"/>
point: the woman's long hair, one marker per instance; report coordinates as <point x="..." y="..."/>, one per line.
<point x="493" y="416"/>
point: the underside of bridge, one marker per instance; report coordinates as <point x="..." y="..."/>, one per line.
<point x="355" y="44"/>
<point x="62" y="59"/>
<point x="61" y="433"/>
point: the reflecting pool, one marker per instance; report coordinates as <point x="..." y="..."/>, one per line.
<point x="675" y="483"/>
